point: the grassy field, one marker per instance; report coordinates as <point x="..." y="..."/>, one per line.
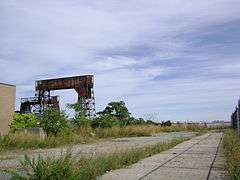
<point x="231" y="145"/>
<point x="87" y="134"/>
<point x="68" y="167"/>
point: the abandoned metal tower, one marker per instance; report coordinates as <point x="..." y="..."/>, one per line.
<point x="83" y="85"/>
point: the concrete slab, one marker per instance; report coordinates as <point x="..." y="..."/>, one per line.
<point x="177" y="174"/>
<point x="11" y="160"/>
<point x="195" y="159"/>
<point x="189" y="162"/>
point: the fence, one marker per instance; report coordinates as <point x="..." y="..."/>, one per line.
<point x="235" y="118"/>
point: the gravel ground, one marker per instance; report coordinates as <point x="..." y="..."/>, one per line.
<point x="11" y="160"/>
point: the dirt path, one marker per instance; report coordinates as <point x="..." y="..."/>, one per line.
<point x="12" y="160"/>
<point x="200" y="158"/>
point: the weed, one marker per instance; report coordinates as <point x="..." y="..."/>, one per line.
<point x="86" y="134"/>
<point x="65" y="167"/>
<point x="231" y="144"/>
<point x="48" y="168"/>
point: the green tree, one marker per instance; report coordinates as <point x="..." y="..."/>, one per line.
<point x="167" y="123"/>
<point x="53" y="121"/>
<point x="104" y="121"/>
<point x="117" y="109"/>
<point x="80" y="118"/>
<point x="23" y="121"/>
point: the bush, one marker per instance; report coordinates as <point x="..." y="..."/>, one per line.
<point x="167" y="123"/>
<point x="53" y="121"/>
<point x="134" y="121"/>
<point x="23" y="121"/>
<point x="104" y="121"/>
<point x="150" y="122"/>
<point x="80" y="118"/>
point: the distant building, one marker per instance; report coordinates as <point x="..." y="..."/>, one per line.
<point x="7" y="106"/>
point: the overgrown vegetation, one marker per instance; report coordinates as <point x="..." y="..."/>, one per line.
<point x="231" y="144"/>
<point x="79" y="120"/>
<point x="53" y="121"/>
<point x="67" y="167"/>
<point x="114" y="121"/>
<point x="104" y="121"/>
<point x="86" y="134"/>
<point x="23" y="121"/>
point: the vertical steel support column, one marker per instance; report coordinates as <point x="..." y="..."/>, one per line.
<point x="238" y="117"/>
<point x="238" y="120"/>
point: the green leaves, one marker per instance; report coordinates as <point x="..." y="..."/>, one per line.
<point x="48" y="168"/>
<point x="104" y="121"/>
<point x="53" y="121"/>
<point x="79" y="119"/>
<point x="23" y="121"/>
<point x="117" y="109"/>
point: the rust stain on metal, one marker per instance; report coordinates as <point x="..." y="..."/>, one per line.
<point x="83" y="85"/>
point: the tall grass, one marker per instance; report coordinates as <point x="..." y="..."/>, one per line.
<point x="86" y="134"/>
<point x="30" y="141"/>
<point x="144" y="130"/>
<point x="231" y="144"/>
<point x="67" y="167"/>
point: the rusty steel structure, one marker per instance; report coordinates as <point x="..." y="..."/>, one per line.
<point x="83" y="85"/>
<point x="33" y="105"/>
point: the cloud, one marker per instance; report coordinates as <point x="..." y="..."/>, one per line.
<point x="176" y="58"/>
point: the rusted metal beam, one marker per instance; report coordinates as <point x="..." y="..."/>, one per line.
<point x="83" y="85"/>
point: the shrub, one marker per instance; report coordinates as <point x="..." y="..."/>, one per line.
<point x="104" y="121"/>
<point x="80" y="118"/>
<point x="167" y="123"/>
<point x="53" y="121"/>
<point x="23" y="121"/>
<point x="150" y="122"/>
<point x="140" y="121"/>
<point x="133" y="121"/>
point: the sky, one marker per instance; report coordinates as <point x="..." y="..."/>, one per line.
<point x="175" y="59"/>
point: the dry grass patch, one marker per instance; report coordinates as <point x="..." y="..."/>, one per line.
<point x="87" y="134"/>
<point x="231" y="144"/>
<point x="68" y="167"/>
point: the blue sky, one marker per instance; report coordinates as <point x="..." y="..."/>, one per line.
<point x="176" y="60"/>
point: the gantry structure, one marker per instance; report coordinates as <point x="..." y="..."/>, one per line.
<point x="43" y="99"/>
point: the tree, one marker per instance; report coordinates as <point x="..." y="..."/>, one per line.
<point x="104" y="121"/>
<point x="140" y="121"/>
<point x="80" y="118"/>
<point x="117" y="109"/>
<point x="167" y="123"/>
<point x="53" y="121"/>
<point x="152" y="123"/>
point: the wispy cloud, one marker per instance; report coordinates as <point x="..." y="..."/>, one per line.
<point x="179" y="59"/>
